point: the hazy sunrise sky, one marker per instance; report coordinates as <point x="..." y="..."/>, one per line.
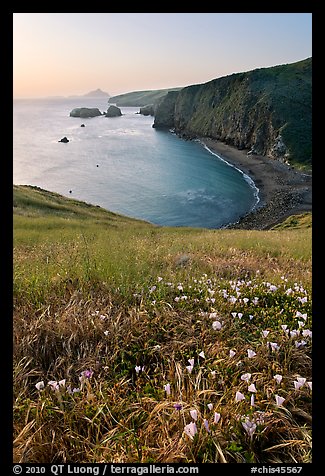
<point x="74" y="53"/>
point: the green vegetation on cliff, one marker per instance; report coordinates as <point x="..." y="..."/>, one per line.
<point x="135" y="343"/>
<point x="267" y="111"/>
<point x="140" y="98"/>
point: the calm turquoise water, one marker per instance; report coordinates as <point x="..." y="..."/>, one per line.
<point x="125" y="165"/>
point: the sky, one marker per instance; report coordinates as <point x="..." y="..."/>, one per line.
<point x="62" y="54"/>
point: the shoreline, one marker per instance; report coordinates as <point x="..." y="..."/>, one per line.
<point x="282" y="190"/>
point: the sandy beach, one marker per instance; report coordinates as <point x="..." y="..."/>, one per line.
<point x="283" y="191"/>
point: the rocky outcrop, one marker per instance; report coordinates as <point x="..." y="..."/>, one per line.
<point x="147" y="110"/>
<point x="85" y="112"/>
<point x="266" y="111"/>
<point x="113" y="111"/>
<point x="64" y="139"/>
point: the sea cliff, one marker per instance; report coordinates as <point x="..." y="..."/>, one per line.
<point x="266" y="111"/>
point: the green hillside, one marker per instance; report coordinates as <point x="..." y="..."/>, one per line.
<point x="140" y="98"/>
<point x="109" y="313"/>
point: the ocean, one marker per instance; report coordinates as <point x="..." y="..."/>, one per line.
<point x="125" y="165"/>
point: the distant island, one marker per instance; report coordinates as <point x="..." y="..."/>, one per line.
<point x="96" y="93"/>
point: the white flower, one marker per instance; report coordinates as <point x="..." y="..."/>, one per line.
<point x="279" y="400"/>
<point x="206" y="424"/>
<point x="201" y="354"/>
<point x="240" y="315"/>
<point x="252" y="400"/>
<point x="251" y="353"/>
<point x="278" y="378"/>
<point x="216" y="417"/>
<point x="40" y="385"/>
<point x="216" y="325"/>
<point x="239" y="397"/>
<point x="234" y="314"/>
<point x="252" y="388"/>
<point x="190" y="429"/>
<point x="138" y="368"/>
<point x="213" y="315"/>
<point x="232" y="353"/>
<point x="191" y="362"/>
<point x="249" y="427"/>
<point x="310" y="385"/>
<point x="159" y="279"/>
<point x="62" y="383"/>
<point x="274" y="346"/>
<point x="299" y="383"/>
<point x="189" y="368"/>
<point x="265" y="333"/>
<point x="106" y="333"/>
<point x="53" y="384"/>
<point x="246" y="377"/>
<point x="193" y="414"/>
<point x="167" y="388"/>
<point x="210" y="406"/>
<point x="284" y="326"/>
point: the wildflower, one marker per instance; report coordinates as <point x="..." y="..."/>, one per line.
<point x="232" y="353"/>
<point x="251" y="353"/>
<point x="152" y="289"/>
<point x="180" y="287"/>
<point x="159" y="279"/>
<point x="216" y="325"/>
<point x="307" y="333"/>
<point x="249" y="427"/>
<point x="206" y="424"/>
<point x="39" y="385"/>
<point x="213" y="315"/>
<point x="106" y="333"/>
<point x="252" y="400"/>
<point x="201" y="354"/>
<point x="138" y="368"/>
<point x="299" y="383"/>
<point x="213" y="373"/>
<point x="234" y="314"/>
<point x="177" y="406"/>
<point x="278" y="378"/>
<point x="246" y="377"/>
<point x="86" y="374"/>
<point x="245" y="300"/>
<point x="240" y="315"/>
<point x="265" y="333"/>
<point x="193" y="414"/>
<point x="279" y="400"/>
<point x="62" y="383"/>
<point x="190" y="429"/>
<point x="239" y="397"/>
<point x="54" y="385"/>
<point x="310" y="384"/>
<point x="189" y="368"/>
<point x="252" y="388"/>
<point x="216" y="417"/>
<point x="210" y="406"/>
<point x="274" y="346"/>
<point x="284" y="327"/>
<point x="167" y="388"/>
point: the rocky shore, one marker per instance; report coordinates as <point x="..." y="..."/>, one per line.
<point x="283" y="191"/>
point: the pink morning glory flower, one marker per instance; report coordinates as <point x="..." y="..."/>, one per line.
<point x="193" y="414"/>
<point x="190" y="430"/>
<point x="201" y="354"/>
<point x="246" y="377"/>
<point x="191" y="362"/>
<point x="167" y="388"/>
<point x="239" y="397"/>
<point x="39" y="385"/>
<point x="249" y="427"/>
<point x="279" y="400"/>
<point x="232" y="353"/>
<point x="216" y="417"/>
<point x="278" y="378"/>
<point x="252" y="388"/>
<point x="216" y="325"/>
<point x="251" y="353"/>
<point x="210" y="406"/>
<point x="206" y="425"/>
<point x="189" y="368"/>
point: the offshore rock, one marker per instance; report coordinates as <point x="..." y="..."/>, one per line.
<point x="113" y="111"/>
<point x="147" y="110"/>
<point x="85" y="112"/>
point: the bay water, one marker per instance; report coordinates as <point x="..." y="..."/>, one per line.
<point x="125" y="165"/>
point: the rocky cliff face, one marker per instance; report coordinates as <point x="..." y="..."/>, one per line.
<point x="267" y="111"/>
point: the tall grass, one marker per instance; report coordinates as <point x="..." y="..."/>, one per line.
<point x="108" y="315"/>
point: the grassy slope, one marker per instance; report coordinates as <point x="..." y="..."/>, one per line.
<point x="140" y="98"/>
<point x="87" y="296"/>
